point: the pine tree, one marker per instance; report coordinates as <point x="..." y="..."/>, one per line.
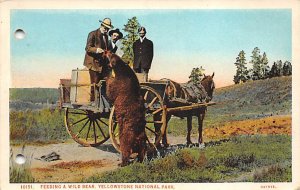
<point x="241" y="71"/>
<point x="196" y="75"/>
<point x="273" y="71"/>
<point x="279" y="71"/>
<point x="257" y="71"/>
<point x="290" y="68"/>
<point x="276" y="70"/>
<point x="131" y="28"/>
<point x="265" y="66"/>
<point x="287" y="68"/>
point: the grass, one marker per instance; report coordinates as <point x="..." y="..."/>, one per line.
<point x="225" y="162"/>
<point x="42" y="126"/>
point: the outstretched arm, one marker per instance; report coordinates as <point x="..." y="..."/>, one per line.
<point x="90" y="44"/>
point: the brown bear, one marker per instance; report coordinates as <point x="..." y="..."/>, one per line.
<point x="124" y="92"/>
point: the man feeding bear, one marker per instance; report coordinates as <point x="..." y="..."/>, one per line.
<point x="123" y="90"/>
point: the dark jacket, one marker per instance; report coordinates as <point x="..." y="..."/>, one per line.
<point x="113" y="50"/>
<point x="143" y="54"/>
<point x="93" y="60"/>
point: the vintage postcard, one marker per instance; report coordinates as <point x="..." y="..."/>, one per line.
<point x="149" y="95"/>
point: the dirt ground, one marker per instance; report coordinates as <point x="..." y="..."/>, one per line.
<point x="78" y="162"/>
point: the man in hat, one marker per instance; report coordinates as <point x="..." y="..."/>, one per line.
<point x="143" y="53"/>
<point x="97" y="43"/>
<point x="115" y="35"/>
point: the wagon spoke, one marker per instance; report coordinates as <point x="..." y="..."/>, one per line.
<point x="152" y="131"/>
<point x="103" y="122"/>
<point x="79" y="121"/>
<point x="115" y="134"/>
<point x="152" y="102"/>
<point x="159" y="122"/>
<point x="87" y="135"/>
<point x="95" y="136"/>
<point x="81" y="128"/>
<point x="148" y="140"/>
<point x="156" y="111"/>
<point x="146" y="95"/>
<point x="115" y="121"/>
<point x="100" y="129"/>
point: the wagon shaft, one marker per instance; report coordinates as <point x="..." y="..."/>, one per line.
<point x="191" y="107"/>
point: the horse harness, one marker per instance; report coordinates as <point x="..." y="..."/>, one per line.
<point x="192" y="93"/>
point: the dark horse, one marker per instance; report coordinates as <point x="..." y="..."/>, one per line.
<point x="178" y="96"/>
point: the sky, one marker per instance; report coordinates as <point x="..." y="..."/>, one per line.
<point x="183" y="39"/>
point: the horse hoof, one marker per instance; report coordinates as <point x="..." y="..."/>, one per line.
<point x="189" y="143"/>
<point x="202" y="145"/>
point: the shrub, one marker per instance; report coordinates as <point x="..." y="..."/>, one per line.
<point x="185" y="159"/>
<point x="273" y="173"/>
<point x="239" y="161"/>
<point x="202" y="160"/>
<point x="168" y="163"/>
<point x="37" y="126"/>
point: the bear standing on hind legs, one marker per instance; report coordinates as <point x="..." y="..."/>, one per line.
<point x="124" y="92"/>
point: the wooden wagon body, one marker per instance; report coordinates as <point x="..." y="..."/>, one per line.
<point x="92" y="124"/>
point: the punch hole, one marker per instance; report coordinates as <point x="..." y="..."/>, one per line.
<point x="20" y="159"/>
<point x="19" y="34"/>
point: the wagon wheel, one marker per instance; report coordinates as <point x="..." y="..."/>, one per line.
<point x="86" y="127"/>
<point x="155" y="117"/>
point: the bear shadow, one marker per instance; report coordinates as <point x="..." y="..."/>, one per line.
<point x="107" y="148"/>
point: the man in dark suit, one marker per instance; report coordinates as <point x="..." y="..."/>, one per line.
<point x="115" y="35"/>
<point x="143" y="53"/>
<point x="97" y="43"/>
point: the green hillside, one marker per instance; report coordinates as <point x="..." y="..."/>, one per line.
<point x="34" y="95"/>
<point x="253" y="99"/>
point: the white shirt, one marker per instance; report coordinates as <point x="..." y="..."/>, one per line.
<point x="142" y="39"/>
<point x="119" y="51"/>
<point x="113" y="45"/>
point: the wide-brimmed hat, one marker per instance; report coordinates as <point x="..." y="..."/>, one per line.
<point x="107" y="23"/>
<point x="116" y="31"/>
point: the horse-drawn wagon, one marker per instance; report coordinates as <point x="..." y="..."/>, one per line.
<point x="93" y="123"/>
